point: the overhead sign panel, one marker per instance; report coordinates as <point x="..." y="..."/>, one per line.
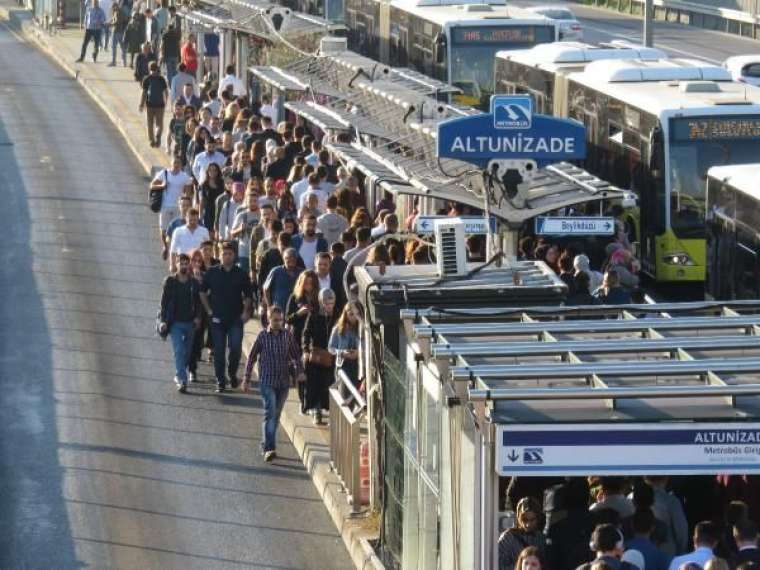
<point x="580" y="226"/>
<point x="472" y="224"/>
<point x="628" y="449"/>
<point x="511" y="131"/>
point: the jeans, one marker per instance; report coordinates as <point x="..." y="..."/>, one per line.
<point x="181" y="334"/>
<point x="171" y="68"/>
<point x="118" y="40"/>
<point x="274" y="401"/>
<point x="105" y="36"/>
<point x="93" y="35"/>
<point x="226" y="336"/>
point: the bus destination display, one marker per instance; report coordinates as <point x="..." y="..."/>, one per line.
<point x="493" y="35"/>
<point x="708" y="128"/>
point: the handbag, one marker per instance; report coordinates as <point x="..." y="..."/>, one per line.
<point x="320" y="357"/>
<point x="156" y="196"/>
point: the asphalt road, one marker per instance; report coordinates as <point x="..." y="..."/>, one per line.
<point x="102" y="463"/>
<point x="676" y="39"/>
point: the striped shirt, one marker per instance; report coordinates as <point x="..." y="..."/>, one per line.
<point x="275" y="351"/>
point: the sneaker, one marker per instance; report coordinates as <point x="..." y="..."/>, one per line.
<point x="176" y="381"/>
<point x="219" y="389"/>
<point x="192" y="377"/>
<point x="269" y="456"/>
<point x="318" y="419"/>
<point x="182" y="388"/>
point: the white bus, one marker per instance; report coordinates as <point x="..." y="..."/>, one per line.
<point x="453" y="42"/>
<point x="733" y="232"/>
<point x="655" y="127"/>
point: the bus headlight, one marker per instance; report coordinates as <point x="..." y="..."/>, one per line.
<point x="678" y="259"/>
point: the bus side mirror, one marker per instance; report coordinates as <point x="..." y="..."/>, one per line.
<point x="440" y="48"/>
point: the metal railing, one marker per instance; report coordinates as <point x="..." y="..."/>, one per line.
<point x="347" y="410"/>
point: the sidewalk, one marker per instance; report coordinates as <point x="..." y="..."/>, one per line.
<point x="114" y="90"/>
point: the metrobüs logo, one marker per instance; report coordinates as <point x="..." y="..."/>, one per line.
<point x="512" y="111"/>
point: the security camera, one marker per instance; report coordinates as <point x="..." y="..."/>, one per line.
<point x="278" y="15"/>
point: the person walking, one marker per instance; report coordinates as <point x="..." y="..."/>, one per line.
<point x="170" y="51"/>
<point x="155" y="96"/>
<point x="180" y="315"/>
<point x="171" y="181"/>
<point x="187" y="238"/>
<point x="226" y="296"/>
<point x="133" y="38"/>
<point x="303" y="302"/>
<point x="189" y="55"/>
<point x="344" y="344"/>
<point x="276" y="350"/>
<point x="320" y="364"/>
<point x="119" y="21"/>
<point x="94" y="21"/>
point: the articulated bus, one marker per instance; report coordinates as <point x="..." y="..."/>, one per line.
<point x="733" y="232"/>
<point x="454" y="43"/>
<point x="656" y="127"/>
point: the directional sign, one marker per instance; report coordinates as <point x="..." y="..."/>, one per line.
<point x="511" y="131"/>
<point x="577" y="226"/>
<point x="628" y="449"/>
<point x="472" y="224"/>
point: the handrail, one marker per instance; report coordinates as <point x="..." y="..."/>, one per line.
<point x="619" y="368"/>
<point x="343" y="379"/>
<point x="481" y="395"/>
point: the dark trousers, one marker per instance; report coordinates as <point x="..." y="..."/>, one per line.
<point x="91" y="35"/>
<point x="227" y="336"/>
<point x="155" y="124"/>
<point x="201" y="340"/>
<point x="318" y="381"/>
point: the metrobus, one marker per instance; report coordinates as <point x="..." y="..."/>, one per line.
<point x="655" y="127"/>
<point x="733" y="232"/>
<point x="455" y="43"/>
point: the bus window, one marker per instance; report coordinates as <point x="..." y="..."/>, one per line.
<point x="746" y="270"/>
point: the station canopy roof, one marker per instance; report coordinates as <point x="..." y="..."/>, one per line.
<point x="635" y="363"/>
<point x="399" y="110"/>
<point x="251" y="17"/>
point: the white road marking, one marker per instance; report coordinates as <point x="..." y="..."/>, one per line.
<point x="637" y="39"/>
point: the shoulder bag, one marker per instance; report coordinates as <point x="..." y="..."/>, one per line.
<point x="156" y="195"/>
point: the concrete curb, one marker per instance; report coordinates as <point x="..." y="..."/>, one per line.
<point x="313" y="446"/>
<point x="149" y="158"/>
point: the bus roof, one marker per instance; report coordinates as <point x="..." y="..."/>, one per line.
<point x="671" y="85"/>
<point x="463" y="13"/>
<point x="744" y="177"/>
<point x="576" y="55"/>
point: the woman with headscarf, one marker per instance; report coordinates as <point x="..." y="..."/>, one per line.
<point x="526" y="532"/>
<point x="581" y="264"/>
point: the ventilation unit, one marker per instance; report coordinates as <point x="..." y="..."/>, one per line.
<point x="330" y="45"/>
<point x="450" y="251"/>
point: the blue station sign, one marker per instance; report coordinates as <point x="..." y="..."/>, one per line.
<point x="511" y="131"/>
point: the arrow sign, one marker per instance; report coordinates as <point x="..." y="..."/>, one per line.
<point x="513" y="456"/>
<point x="579" y="226"/>
<point x="473" y="225"/>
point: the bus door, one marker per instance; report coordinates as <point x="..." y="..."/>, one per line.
<point x="651" y="191"/>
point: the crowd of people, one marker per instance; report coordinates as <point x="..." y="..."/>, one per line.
<point x="616" y="523"/>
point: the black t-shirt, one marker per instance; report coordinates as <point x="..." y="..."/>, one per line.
<point x="154" y="86"/>
<point x="226" y="290"/>
<point x="183" y="301"/>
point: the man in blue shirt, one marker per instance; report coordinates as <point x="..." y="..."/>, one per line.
<point x="279" y="285"/>
<point x="94" y="20"/>
<point x="643" y="522"/>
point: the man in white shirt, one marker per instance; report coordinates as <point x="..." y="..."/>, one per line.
<point x="203" y="159"/>
<point x="187" y="238"/>
<point x="173" y="181"/>
<point x="705" y="539"/>
<point x="214" y="105"/>
<point x="389" y="225"/>
<point x="238" y="88"/>
<point x="298" y="188"/>
<point x="229" y="211"/>
<point x="314" y="188"/>
<point x="267" y="109"/>
<point x="181" y="79"/>
<point x="323" y="271"/>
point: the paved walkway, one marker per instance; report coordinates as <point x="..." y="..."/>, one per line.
<point x="114" y="90"/>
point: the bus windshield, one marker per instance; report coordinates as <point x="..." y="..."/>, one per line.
<point x="473" y="50"/>
<point x="692" y="153"/>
